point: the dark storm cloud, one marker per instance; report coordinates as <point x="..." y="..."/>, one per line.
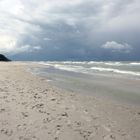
<point x="70" y="30"/>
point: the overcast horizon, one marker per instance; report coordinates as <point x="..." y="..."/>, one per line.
<point x="70" y="30"/>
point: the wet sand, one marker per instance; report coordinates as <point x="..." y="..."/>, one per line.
<point x="31" y="109"/>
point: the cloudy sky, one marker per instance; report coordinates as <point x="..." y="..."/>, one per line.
<point x="70" y="29"/>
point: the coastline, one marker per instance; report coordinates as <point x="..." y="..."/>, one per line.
<point x="119" y="88"/>
<point x="31" y="109"/>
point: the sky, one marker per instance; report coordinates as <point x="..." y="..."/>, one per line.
<point x="70" y="29"/>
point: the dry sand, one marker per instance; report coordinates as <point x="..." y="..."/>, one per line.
<point x="31" y="109"/>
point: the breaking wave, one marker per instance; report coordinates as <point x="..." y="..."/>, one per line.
<point x="75" y="67"/>
<point x="110" y="63"/>
<point x="116" y="71"/>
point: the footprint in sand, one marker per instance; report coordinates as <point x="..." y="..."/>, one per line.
<point x="4" y="90"/>
<point x="25" y="114"/>
<point x="138" y="113"/>
<point x="45" y="91"/>
<point x="48" y="119"/>
<point x="38" y="106"/>
<point x="84" y="133"/>
<point x="78" y="123"/>
<point x="56" y="138"/>
<point x="4" y="97"/>
<point x="43" y="111"/>
<point x="22" y="126"/>
<point x="28" y="138"/>
<point x="7" y="132"/>
<point x="109" y="137"/>
<point x="58" y="127"/>
<point x="2" y="110"/>
<point x="36" y="96"/>
<point x="65" y="114"/>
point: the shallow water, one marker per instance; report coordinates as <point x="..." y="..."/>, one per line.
<point x="79" y="77"/>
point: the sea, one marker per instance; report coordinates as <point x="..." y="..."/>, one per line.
<point x="109" y="80"/>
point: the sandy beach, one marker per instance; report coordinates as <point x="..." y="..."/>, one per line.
<point x="31" y="109"/>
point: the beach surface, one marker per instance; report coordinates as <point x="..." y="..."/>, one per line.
<point x="31" y="109"/>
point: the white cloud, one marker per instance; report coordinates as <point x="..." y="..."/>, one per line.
<point x="47" y="39"/>
<point x="37" y="48"/>
<point x="8" y="45"/>
<point x="117" y="47"/>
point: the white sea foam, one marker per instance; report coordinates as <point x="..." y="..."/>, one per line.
<point x="135" y="63"/>
<point x="71" y="66"/>
<point x="45" y="63"/>
<point x="116" y="71"/>
<point x="74" y="62"/>
<point x="109" y="63"/>
<point x="95" y="62"/>
<point x="106" y="63"/>
<point x="114" y="63"/>
<point x="122" y="63"/>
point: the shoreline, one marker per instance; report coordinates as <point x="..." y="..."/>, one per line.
<point x="32" y="109"/>
<point x="111" y="88"/>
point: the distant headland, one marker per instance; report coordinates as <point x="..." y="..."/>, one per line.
<point x="4" y="58"/>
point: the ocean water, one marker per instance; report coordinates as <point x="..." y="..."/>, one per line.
<point x="119" y="81"/>
<point x="92" y="67"/>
